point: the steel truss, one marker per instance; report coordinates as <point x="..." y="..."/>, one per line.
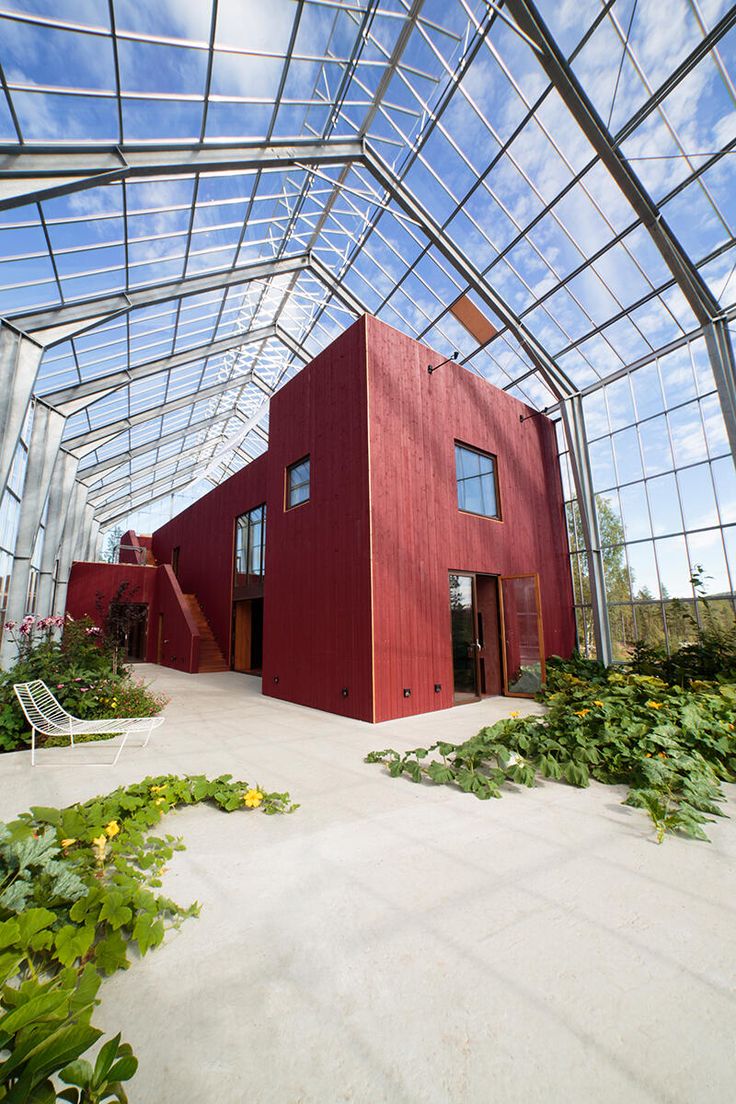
<point x="334" y="196"/>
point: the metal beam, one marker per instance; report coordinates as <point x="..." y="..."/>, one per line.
<point x="115" y="500"/>
<point x="60" y="493"/>
<point x="98" y="493"/>
<point x="552" y="374"/>
<point x="92" y="474"/>
<point x="136" y="502"/>
<point x="79" y="395"/>
<point x="43" y="450"/>
<point x="574" y="421"/>
<point x="19" y="360"/>
<point x="49" y="326"/>
<point x="123" y="424"/>
<point x="42" y="172"/>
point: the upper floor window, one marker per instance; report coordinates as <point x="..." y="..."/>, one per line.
<point x="297" y="483"/>
<point x="477" y="492"/>
<point x="250" y="544"/>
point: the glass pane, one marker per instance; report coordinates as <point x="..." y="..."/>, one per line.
<point x="524" y="660"/>
<point x="462" y="617"/>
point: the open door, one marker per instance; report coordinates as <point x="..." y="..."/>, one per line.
<point x="248" y="635"/>
<point x="465" y="644"/>
<point x="523" y="642"/>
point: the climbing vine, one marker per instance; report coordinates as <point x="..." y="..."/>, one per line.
<point x="79" y="892"/>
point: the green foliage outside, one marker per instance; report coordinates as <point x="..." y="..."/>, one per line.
<point x="672" y="745"/>
<point x="77" y="667"/>
<point x="78" y="896"/>
<point x="635" y="614"/>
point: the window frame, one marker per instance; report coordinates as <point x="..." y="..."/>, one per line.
<point x="249" y="546"/>
<point x="288" y="505"/>
<point x="498" y="516"/>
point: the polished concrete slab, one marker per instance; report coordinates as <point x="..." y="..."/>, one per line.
<point x="409" y="944"/>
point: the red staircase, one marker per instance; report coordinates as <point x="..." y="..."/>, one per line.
<point x="210" y="656"/>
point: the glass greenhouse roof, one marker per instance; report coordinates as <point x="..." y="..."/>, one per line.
<point x="251" y="177"/>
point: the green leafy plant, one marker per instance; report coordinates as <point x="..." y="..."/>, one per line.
<point x="672" y="745"/>
<point x="79" y="892"/>
<point x="78" y="669"/>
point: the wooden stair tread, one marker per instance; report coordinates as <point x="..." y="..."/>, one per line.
<point x="211" y="658"/>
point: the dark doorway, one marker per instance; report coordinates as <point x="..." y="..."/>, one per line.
<point x="248" y="635"/>
<point x="476" y="637"/>
<point x="130" y="626"/>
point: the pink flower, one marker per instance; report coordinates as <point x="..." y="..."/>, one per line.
<point x="25" y="627"/>
<point x="92" y="631"/>
<point x="59" y="685"/>
<point x="9" y="626"/>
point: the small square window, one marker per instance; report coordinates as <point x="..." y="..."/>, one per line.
<point x="297" y="483"/>
<point x="476" y="482"/>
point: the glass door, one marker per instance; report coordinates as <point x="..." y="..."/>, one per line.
<point x="464" y="637"/>
<point x="521" y="620"/>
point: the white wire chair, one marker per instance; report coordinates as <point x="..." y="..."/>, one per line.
<point x="48" y="718"/>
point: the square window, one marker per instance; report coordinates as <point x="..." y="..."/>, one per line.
<point x="476" y="481"/>
<point x="297" y="483"/>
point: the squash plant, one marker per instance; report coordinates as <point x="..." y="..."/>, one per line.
<point x="78" y="890"/>
<point x="672" y="745"/>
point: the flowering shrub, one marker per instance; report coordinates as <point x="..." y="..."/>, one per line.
<point x="671" y="745"/>
<point x="75" y="661"/>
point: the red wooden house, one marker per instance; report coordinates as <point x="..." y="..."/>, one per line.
<point x="401" y="546"/>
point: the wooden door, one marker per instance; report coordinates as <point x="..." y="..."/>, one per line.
<point x="242" y="636"/>
<point x="521" y="620"/>
<point x="489" y="635"/>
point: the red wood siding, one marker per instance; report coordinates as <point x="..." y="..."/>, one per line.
<point x="317" y="612"/>
<point x="92" y="586"/>
<point x="420" y="535"/>
<point x="204" y="533"/>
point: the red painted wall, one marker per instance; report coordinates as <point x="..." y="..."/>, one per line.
<point x="420" y="535"/>
<point x="326" y="613"/>
<point x="93" y="584"/>
<point x="317" y="603"/>
<point x="180" y="637"/>
<point x="204" y="534"/>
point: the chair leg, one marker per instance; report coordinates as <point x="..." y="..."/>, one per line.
<point x="148" y="736"/>
<point x="122" y="745"/>
<point x="33" y="747"/>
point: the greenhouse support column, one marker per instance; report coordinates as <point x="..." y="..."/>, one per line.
<point x="577" y="442"/>
<point x="71" y="541"/>
<point x="43" y="450"/>
<point x="94" y="535"/>
<point x="720" y="351"/>
<point x="20" y="357"/>
<point x="60" y="491"/>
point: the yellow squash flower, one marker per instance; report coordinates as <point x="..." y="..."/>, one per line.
<point x="67" y="842"/>
<point x="516" y="713"/>
<point x="253" y="799"/>
<point x="160" y="801"/>
<point x="581" y="712"/>
<point x="157" y="789"/>
<point x="654" y="705"/>
<point x="99" y="845"/>
<point x="597" y="702"/>
<point x="112" y="829"/>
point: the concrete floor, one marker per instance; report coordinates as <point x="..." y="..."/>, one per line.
<point x="410" y="944"/>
